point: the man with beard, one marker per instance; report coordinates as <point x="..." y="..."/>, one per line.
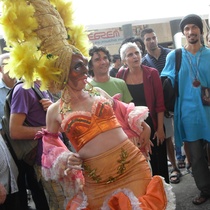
<point x="192" y="114"/>
<point x="156" y="54"/>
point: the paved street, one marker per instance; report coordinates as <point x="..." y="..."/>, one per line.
<point x="185" y="191"/>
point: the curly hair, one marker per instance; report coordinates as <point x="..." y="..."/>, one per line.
<point x="92" y="51"/>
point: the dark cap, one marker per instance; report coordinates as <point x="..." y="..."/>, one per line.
<point x="191" y="19"/>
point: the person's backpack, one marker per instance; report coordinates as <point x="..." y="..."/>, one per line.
<point x="170" y="93"/>
<point x="19" y="149"/>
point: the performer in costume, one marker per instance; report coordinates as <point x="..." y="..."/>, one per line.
<point x="107" y="171"/>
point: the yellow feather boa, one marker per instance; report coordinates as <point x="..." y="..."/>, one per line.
<point x="41" y="36"/>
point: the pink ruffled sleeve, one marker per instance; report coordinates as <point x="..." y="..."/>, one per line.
<point x="54" y="164"/>
<point x="130" y="117"/>
<point x="53" y="150"/>
<point x="136" y="117"/>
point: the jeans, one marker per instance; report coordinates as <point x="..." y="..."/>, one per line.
<point x="179" y="155"/>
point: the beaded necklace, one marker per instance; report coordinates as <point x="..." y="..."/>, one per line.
<point x="66" y="98"/>
<point x="194" y="70"/>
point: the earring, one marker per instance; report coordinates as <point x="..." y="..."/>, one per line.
<point x="66" y="99"/>
<point x="91" y="90"/>
<point x="89" y="87"/>
<point x="65" y="96"/>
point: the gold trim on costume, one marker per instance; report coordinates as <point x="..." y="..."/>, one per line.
<point x="120" y="169"/>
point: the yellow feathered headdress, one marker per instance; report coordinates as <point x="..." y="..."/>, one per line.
<point x="41" y="37"/>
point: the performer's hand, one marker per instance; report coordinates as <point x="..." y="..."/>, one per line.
<point x="45" y="103"/>
<point x="74" y="161"/>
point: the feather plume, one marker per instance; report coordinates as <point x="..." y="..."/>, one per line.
<point x="41" y="37"/>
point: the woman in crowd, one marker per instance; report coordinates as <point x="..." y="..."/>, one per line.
<point x="145" y="87"/>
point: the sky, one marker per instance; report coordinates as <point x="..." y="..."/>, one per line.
<point x="96" y="12"/>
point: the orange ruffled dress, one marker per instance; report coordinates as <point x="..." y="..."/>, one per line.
<point x="117" y="179"/>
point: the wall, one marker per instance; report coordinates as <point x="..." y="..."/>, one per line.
<point x="163" y="32"/>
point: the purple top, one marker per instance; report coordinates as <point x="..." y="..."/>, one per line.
<point x="26" y="101"/>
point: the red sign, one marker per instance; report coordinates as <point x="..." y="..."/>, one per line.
<point x="106" y="37"/>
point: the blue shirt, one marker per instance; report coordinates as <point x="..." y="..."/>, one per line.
<point x="191" y="117"/>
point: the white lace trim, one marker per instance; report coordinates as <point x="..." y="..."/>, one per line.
<point x="70" y="182"/>
<point x="171" y="204"/>
<point x="133" y="199"/>
<point x="83" y="204"/>
<point x="136" y="117"/>
<point x="171" y="198"/>
<point x="58" y="167"/>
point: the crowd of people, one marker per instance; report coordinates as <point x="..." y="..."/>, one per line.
<point x="113" y="118"/>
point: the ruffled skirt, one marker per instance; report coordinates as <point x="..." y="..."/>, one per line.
<point x="121" y="179"/>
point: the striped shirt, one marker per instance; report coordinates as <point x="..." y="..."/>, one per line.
<point x="156" y="63"/>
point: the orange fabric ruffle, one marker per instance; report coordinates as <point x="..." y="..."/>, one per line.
<point x="120" y="202"/>
<point x="155" y="197"/>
